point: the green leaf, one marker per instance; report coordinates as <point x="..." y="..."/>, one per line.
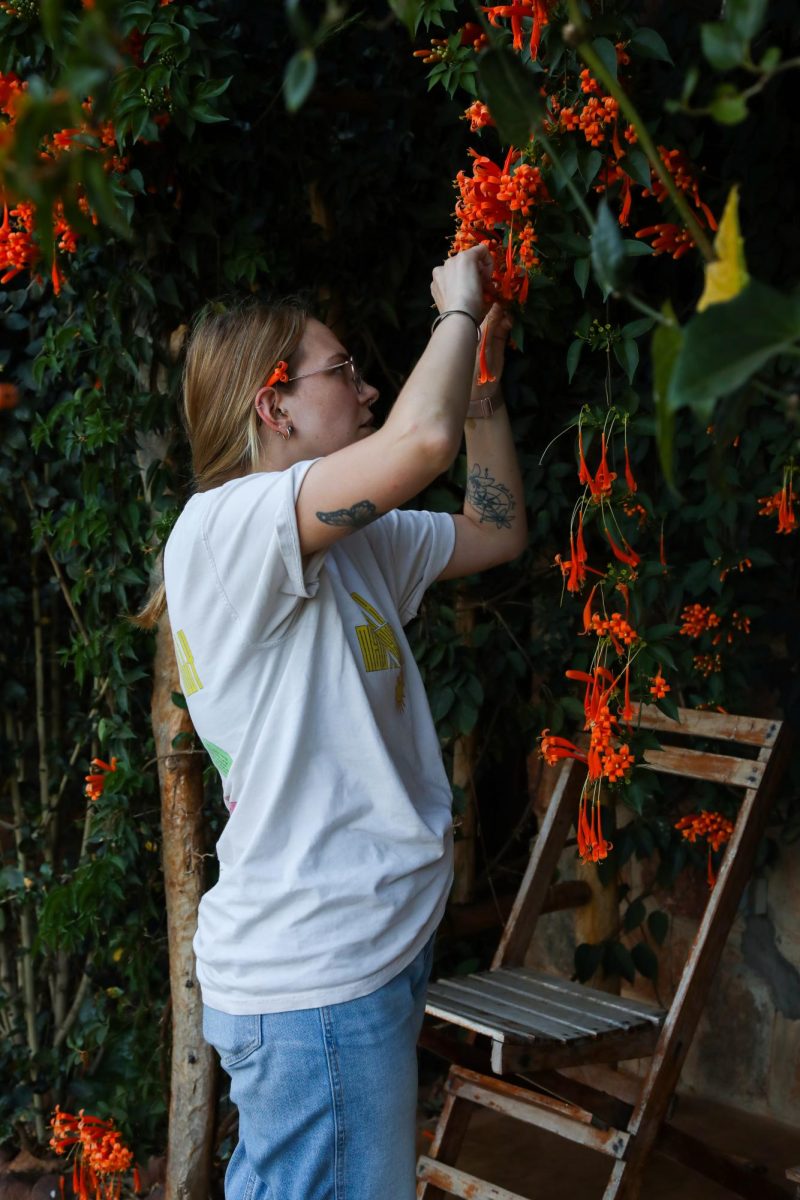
<point x="728" y="106"/>
<point x="604" y="49"/>
<point x="665" y="351"/>
<point x="580" y="269"/>
<point x="587" y="960"/>
<point x="635" y="913"/>
<point x="745" y="16"/>
<point x="298" y="79"/>
<point x="649" y="44"/>
<point x="626" y="353"/>
<point x="573" y="357"/>
<point x="179" y="700"/>
<point x="608" y="254"/>
<point x="511" y="93"/>
<point x="617" y="960"/>
<point x="645" y="960"/>
<point x="637" y="165"/>
<point x="658" y="924"/>
<point x="409" y="12"/>
<point x="725" y="345"/>
<point x="722" y="46"/>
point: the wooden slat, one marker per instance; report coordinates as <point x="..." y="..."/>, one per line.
<point x="749" y="731"/>
<point x="594" y="997"/>
<point x="545" y="1112"/>
<point x="517" y="1057"/>
<point x="460" y="1183"/>
<point x="593" y="1006"/>
<point x="522" y="993"/>
<point x="445" y="995"/>
<point x="699" y="764"/>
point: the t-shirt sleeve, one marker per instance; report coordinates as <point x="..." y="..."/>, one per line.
<point x="413" y="548"/>
<point x="251" y="537"/>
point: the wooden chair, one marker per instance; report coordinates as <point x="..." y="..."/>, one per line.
<point x="538" y="1023"/>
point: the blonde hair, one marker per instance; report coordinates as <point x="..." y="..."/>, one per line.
<point x="231" y="350"/>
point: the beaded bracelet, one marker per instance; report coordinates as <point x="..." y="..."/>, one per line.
<point x="449" y="312"/>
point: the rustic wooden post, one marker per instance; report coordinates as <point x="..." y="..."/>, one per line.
<point x="463" y="778"/>
<point x="193" y="1073"/>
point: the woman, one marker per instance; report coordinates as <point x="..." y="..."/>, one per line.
<point x="289" y="577"/>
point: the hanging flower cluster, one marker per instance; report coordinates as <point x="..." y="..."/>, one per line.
<point x="96" y="782"/>
<point x="699" y="620"/>
<point x="19" y="248"/>
<point x="711" y="826"/>
<point x="495" y="209"/>
<point x="100" y="1158"/>
<point x="782" y="503"/>
<point x="536" y="11"/>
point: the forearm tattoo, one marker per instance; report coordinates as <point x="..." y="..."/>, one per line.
<point x="357" y="517"/>
<point x="491" y="500"/>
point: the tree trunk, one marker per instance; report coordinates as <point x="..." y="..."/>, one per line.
<point x="463" y="772"/>
<point x="193" y="1073"/>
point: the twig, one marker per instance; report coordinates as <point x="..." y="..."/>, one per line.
<point x="69" y="1020"/>
<point x="57" y="571"/>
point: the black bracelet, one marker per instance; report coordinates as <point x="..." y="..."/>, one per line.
<point x="449" y="312"/>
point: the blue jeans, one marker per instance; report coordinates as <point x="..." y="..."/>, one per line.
<point x="326" y="1096"/>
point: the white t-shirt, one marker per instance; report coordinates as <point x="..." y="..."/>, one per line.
<point x="336" y="859"/>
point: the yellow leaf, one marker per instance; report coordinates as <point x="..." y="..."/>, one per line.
<point x="727" y="276"/>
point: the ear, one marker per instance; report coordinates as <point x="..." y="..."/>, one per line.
<point x="268" y="406"/>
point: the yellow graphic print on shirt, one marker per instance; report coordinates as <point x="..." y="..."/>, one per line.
<point x="190" y="680"/>
<point x="379" y="647"/>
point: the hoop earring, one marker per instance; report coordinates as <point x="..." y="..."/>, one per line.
<point x="287" y="433"/>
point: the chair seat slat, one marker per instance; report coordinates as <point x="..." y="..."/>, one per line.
<point x="592" y="995"/>
<point x="583" y="1015"/>
<point x="526" y="1025"/>
<point x="473" y="1017"/>
<point x="505" y="1002"/>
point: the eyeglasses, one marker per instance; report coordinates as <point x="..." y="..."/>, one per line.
<point x="358" y="378"/>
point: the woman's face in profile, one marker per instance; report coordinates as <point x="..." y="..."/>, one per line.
<point x="330" y="406"/>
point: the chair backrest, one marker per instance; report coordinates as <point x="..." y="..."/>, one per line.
<point x="762" y="735"/>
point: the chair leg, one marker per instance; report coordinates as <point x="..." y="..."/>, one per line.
<point x="450" y="1133"/>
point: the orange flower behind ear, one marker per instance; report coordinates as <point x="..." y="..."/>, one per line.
<point x="279" y="374"/>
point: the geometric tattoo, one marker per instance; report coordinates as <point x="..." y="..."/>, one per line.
<point x="492" y="500"/>
<point x="361" y="514"/>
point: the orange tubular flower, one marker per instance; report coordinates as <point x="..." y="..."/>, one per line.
<point x="536" y="10"/>
<point x="555" y="748"/>
<point x="95" y="783"/>
<point x="627" y="556"/>
<point x="629" y="479"/>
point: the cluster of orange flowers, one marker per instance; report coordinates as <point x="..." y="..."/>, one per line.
<point x="494" y="209"/>
<point x="698" y="619"/>
<point x="742" y="565"/>
<point x="659" y="686"/>
<point x="536" y="11"/>
<point x="714" y="827"/>
<point x="96" y="782"/>
<point x="669" y="238"/>
<point x="782" y="503"/>
<point x="100" y="1156"/>
<point x="19" y="250"/>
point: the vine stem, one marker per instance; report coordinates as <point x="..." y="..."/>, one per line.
<point x="580" y="40"/>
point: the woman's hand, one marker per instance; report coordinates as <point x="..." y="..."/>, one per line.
<point x="461" y="282"/>
<point x="496" y="328"/>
